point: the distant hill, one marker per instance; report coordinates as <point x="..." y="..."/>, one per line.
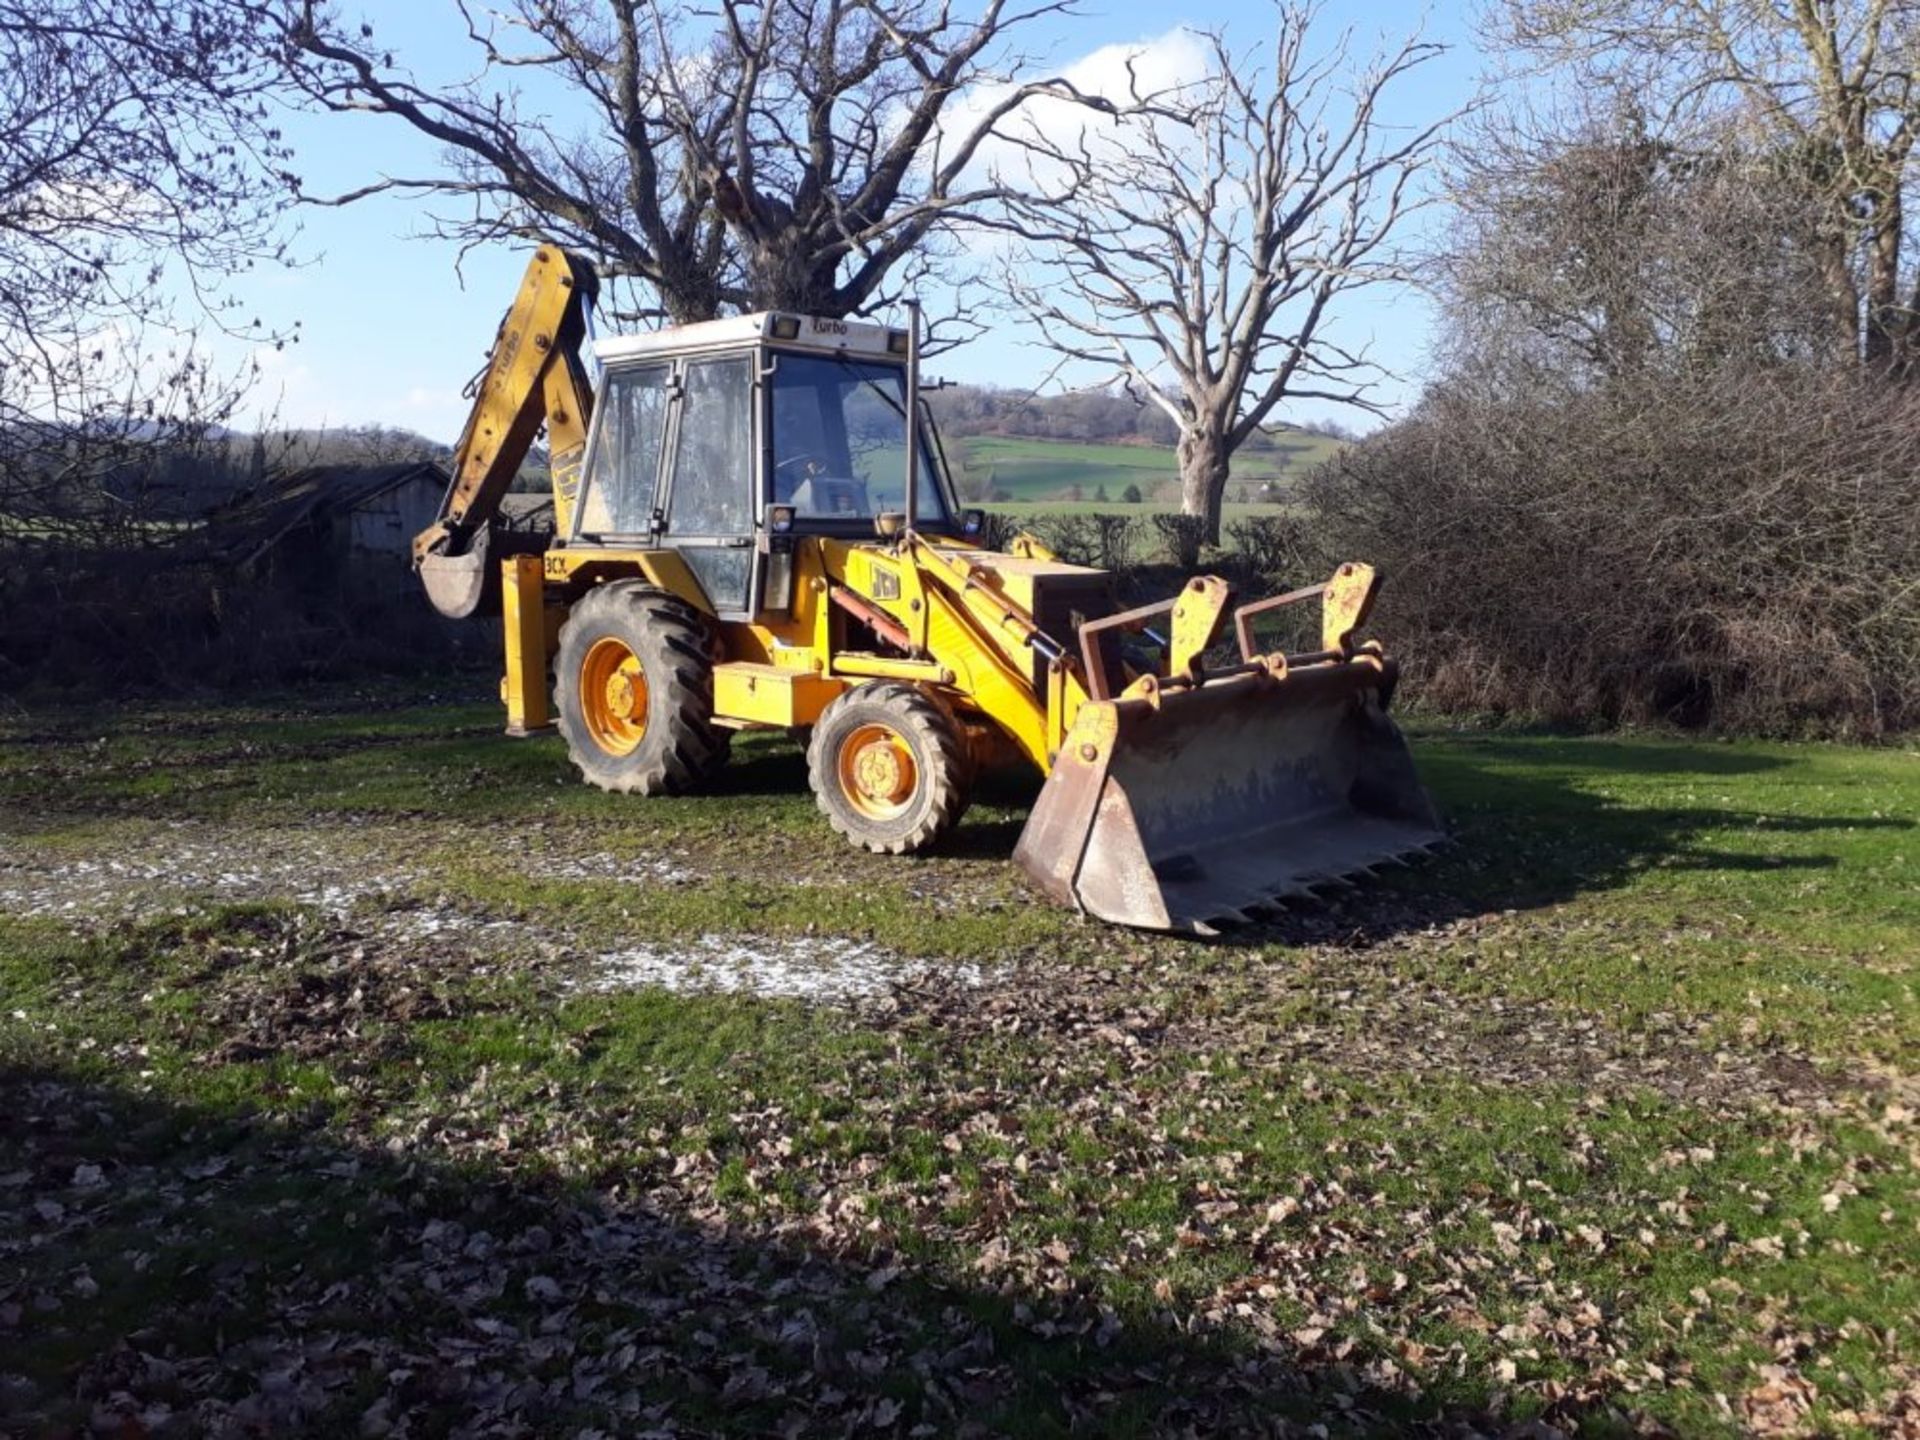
<point x="1009" y="446"/>
<point x="1094" y="449"/>
<point x="999" y="468"/>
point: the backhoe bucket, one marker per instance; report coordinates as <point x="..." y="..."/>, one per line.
<point x="1178" y="809"/>
<point x="467" y="585"/>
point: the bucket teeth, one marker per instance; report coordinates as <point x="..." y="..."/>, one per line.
<point x="1273" y="901"/>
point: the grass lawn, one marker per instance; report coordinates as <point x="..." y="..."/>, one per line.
<point x="364" y="1074"/>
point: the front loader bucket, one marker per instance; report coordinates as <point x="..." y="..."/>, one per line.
<point x="1195" y="805"/>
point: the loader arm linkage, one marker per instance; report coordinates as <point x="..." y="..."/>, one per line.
<point x="975" y="630"/>
<point x="1181" y="795"/>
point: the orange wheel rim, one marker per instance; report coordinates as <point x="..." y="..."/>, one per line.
<point x="877" y="772"/>
<point x="613" y="695"/>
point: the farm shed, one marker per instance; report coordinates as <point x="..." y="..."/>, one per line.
<point x="342" y="528"/>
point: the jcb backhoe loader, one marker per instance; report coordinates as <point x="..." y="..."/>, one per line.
<point x="753" y="528"/>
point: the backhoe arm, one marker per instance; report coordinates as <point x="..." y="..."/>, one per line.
<point x="535" y="376"/>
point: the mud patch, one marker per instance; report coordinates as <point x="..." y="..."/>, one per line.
<point x="283" y="992"/>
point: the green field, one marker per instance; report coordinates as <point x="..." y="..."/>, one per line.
<point x="1029" y="509"/>
<point x="1047" y="471"/>
<point x="365" y="1075"/>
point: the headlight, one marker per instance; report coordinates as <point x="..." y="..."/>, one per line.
<point x="780" y="518"/>
<point x="973" y="522"/>
<point x="785" y="327"/>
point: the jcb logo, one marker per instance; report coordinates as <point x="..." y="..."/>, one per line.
<point x="828" y="327"/>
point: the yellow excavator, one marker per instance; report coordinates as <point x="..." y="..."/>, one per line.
<point x="754" y="529"/>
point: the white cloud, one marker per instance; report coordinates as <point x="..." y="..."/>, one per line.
<point x="290" y="393"/>
<point x="287" y="394"/>
<point x="60" y="206"/>
<point x="1120" y="73"/>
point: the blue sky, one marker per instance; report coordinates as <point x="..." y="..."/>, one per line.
<point x="393" y="323"/>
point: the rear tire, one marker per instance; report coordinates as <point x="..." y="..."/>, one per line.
<point x="633" y="688"/>
<point x="889" y="768"/>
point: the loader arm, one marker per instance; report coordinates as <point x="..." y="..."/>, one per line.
<point x="971" y="626"/>
<point x="960" y="631"/>
<point x="534" y="376"/>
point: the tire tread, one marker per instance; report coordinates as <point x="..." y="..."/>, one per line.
<point x="919" y="715"/>
<point x="674" y="643"/>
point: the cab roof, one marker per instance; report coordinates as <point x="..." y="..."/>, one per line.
<point x="783" y="328"/>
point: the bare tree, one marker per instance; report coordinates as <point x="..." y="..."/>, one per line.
<point x="1834" y="86"/>
<point x="140" y="158"/>
<point x="1587" y="246"/>
<point x="790" y="154"/>
<point x="1201" y="241"/>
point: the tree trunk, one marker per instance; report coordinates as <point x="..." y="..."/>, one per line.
<point x="1204" y="465"/>
<point x="1885" y="318"/>
<point x="782" y="274"/>
<point x="687" y="293"/>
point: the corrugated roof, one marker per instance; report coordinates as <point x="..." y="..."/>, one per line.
<point x="252" y="524"/>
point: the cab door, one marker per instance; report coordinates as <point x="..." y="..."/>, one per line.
<point x="619" y="497"/>
<point x="708" y="508"/>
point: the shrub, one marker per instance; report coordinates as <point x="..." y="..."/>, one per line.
<point x="1000" y="530"/>
<point x="1117" y="540"/>
<point x="1738" y="549"/>
<point x="1271" y="546"/>
<point x="1109" y="542"/>
<point x="1182" y="535"/>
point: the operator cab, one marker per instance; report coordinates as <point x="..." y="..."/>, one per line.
<point x="723" y="440"/>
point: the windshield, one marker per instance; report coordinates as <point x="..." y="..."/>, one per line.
<point x="840" y="441"/>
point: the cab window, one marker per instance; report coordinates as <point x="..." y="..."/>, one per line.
<point x="618" y="491"/>
<point x="709" y="502"/>
<point x="839" y="443"/>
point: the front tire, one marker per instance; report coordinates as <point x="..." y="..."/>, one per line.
<point x="889" y="768"/>
<point x="633" y="687"/>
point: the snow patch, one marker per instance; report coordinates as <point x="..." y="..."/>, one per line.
<point x="826" y="969"/>
<point x="642" y="869"/>
<point x="307" y="873"/>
